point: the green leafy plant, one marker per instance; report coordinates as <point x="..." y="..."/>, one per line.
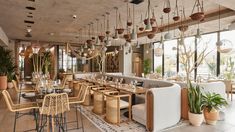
<point x="159" y="70"/>
<point x="195" y="100"/>
<point x="229" y="70"/>
<point x="213" y="100"/>
<point x="147" y="67"/>
<point x="7" y="67"/>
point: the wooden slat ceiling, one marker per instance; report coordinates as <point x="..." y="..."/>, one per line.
<point x="55" y="16"/>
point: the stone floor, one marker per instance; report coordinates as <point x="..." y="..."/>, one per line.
<point x="26" y="122"/>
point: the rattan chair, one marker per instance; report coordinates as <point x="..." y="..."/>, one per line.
<point x="114" y="104"/>
<point x="99" y="99"/>
<point x="55" y="105"/>
<point x="78" y="100"/>
<point x="20" y="91"/>
<point x="17" y="108"/>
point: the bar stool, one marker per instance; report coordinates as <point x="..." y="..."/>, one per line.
<point x="54" y="105"/>
<point x="78" y="100"/>
<point x="17" y="108"/>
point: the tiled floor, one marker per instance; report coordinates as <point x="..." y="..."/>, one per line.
<point x="26" y="122"/>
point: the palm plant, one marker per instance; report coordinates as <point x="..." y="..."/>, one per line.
<point x="7" y="67"/>
<point x="213" y="100"/>
<point x="195" y="99"/>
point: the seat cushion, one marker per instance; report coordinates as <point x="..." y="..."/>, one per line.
<point x="139" y="113"/>
<point x="123" y="104"/>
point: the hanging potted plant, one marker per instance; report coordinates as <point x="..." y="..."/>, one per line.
<point x="212" y="104"/>
<point x="195" y="105"/>
<point x="6" y="66"/>
<point x="199" y="15"/>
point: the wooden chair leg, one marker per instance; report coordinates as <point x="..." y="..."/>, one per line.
<point x="16" y="116"/>
<point x="52" y="123"/>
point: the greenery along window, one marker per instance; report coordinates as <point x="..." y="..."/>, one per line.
<point x="209" y="65"/>
<point x="157" y="60"/>
<point x="227" y="60"/>
<point x="170" y="58"/>
<point x="66" y="62"/>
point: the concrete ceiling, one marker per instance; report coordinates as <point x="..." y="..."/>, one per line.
<point x="55" y="16"/>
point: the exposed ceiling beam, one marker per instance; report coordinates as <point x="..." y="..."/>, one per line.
<point x="208" y="17"/>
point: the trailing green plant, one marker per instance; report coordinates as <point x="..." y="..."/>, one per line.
<point x="7" y="67"/>
<point x="147" y="67"/>
<point x="195" y="100"/>
<point x="213" y="100"/>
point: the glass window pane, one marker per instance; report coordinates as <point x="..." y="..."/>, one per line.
<point x="208" y="66"/>
<point x="157" y="60"/>
<point x="170" y="56"/>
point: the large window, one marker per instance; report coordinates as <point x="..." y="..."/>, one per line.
<point x="209" y="65"/>
<point x="66" y="62"/>
<point x="158" y="60"/>
<point x="170" y="58"/>
<point x="227" y="60"/>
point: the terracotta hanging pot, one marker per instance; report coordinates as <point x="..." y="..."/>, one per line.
<point x="101" y="38"/>
<point x="127" y="36"/>
<point x="151" y="35"/>
<point x="176" y="18"/>
<point x="146" y="21"/>
<point x="197" y="16"/>
<point x="129" y="23"/>
<point x="141" y="28"/>
<point x="120" y="30"/>
<point x="93" y="38"/>
<point x="161" y="29"/>
<point x="154" y="29"/>
<point x="107" y="32"/>
<point x="88" y="41"/>
<point x="166" y="10"/>
<point x="183" y="28"/>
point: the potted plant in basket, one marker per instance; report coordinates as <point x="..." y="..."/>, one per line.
<point x="195" y="102"/>
<point x="6" y="66"/>
<point x="212" y="104"/>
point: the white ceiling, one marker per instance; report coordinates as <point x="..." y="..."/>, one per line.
<point x="55" y="16"/>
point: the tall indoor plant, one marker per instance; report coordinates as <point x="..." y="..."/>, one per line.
<point x="6" y="66"/>
<point x="212" y="104"/>
<point x="195" y="102"/>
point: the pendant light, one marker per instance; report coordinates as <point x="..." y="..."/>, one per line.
<point x="120" y="28"/>
<point x="141" y="28"/>
<point x="97" y="26"/>
<point x="129" y="21"/>
<point x="101" y="36"/>
<point x="148" y="26"/>
<point x="183" y="27"/>
<point x="107" y="28"/>
<point x="137" y="45"/>
<point x="198" y="33"/>
<point x="167" y="6"/>
<point x="116" y="37"/>
<point x="199" y="14"/>
<point x="219" y="43"/>
<point x="154" y="25"/>
<point x="168" y="35"/>
<point x="176" y="16"/>
<point x="134" y="32"/>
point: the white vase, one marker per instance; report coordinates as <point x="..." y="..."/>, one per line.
<point x="195" y="119"/>
<point x="9" y="85"/>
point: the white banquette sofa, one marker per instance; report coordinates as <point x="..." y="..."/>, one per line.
<point x="162" y="107"/>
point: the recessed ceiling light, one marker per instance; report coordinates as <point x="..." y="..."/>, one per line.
<point x="30" y="8"/>
<point x="27" y="21"/>
<point x="28" y="26"/>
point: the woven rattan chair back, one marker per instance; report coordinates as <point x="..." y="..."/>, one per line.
<point x="8" y="100"/>
<point x="15" y="86"/>
<point x="54" y="104"/>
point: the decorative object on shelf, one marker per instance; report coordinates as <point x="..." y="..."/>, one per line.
<point x="176" y="16"/>
<point x="148" y="26"/>
<point x="141" y="27"/>
<point x="199" y="14"/>
<point x="167" y="6"/>
<point x="129" y="20"/>
<point x="183" y="27"/>
<point x="195" y="105"/>
<point x="212" y="104"/>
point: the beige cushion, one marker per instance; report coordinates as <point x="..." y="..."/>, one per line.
<point x="123" y="104"/>
<point x="139" y="113"/>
